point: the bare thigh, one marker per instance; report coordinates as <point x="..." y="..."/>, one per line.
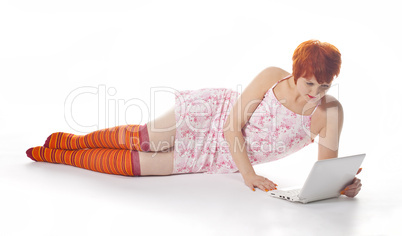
<point x="156" y="163"/>
<point x="162" y="131"/>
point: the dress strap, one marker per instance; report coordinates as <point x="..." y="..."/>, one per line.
<point x="319" y="102"/>
<point x="287" y="77"/>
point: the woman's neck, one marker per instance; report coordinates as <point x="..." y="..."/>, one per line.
<point x="294" y="95"/>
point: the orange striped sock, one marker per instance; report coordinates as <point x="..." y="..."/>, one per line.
<point x="110" y="161"/>
<point x="131" y="137"/>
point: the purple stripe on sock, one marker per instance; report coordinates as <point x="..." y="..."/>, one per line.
<point x="98" y="138"/>
<point x="86" y="141"/>
<point x="91" y="152"/>
<point x="95" y="159"/>
<point x="101" y="144"/>
<point x="117" y="137"/>
<point x="135" y="160"/>
<point x="52" y="155"/>
<point x="91" y="140"/>
<point x="115" y="161"/>
<point x="103" y="140"/>
<point x="82" y="160"/>
<point x="108" y="157"/>
<point x="144" y="138"/>
<point x="73" y="154"/>
<point x="106" y="139"/>
<point x="68" y="141"/>
<point x="42" y="154"/>
<point x="124" y="163"/>
<point x="106" y="144"/>
<point x="113" y="139"/>
<point x="110" y="138"/>
<point x="62" y="157"/>
<point x="101" y="157"/>
<point x="58" y="140"/>
<point x="68" y="146"/>
<point x="77" y="142"/>
<point x="95" y="140"/>
<point x="99" y="160"/>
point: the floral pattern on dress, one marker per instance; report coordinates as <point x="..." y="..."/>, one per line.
<point x="200" y="116"/>
<point x="272" y="132"/>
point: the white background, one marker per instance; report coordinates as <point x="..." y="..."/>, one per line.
<point x="50" y="49"/>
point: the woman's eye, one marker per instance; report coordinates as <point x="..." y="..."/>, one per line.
<point x="310" y="84"/>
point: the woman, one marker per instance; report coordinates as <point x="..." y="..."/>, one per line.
<point x="214" y="130"/>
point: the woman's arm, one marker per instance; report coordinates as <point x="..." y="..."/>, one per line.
<point x="239" y="116"/>
<point x="331" y="132"/>
<point x="329" y="140"/>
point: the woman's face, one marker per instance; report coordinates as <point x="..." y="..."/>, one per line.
<point x="311" y="90"/>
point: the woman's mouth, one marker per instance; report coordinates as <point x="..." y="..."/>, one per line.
<point x="310" y="96"/>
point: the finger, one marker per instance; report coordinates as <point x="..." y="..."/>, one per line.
<point x="273" y="185"/>
<point x="360" y="170"/>
<point x="261" y="186"/>
<point x="251" y="187"/>
<point x="270" y="185"/>
<point x="352" y="192"/>
<point x="268" y="188"/>
<point x="351" y="188"/>
<point x="348" y="189"/>
<point x="355" y="181"/>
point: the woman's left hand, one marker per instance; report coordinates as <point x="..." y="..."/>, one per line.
<point x="353" y="189"/>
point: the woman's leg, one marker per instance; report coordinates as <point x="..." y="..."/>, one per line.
<point x="159" y="133"/>
<point x="156" y="163"/>
<point x="109" y="161"/>
<point x="162" y="131"/>
<point x="105" y="160"/>
<point x="131" y="137"/>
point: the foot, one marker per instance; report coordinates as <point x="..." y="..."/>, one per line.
<point x="29" y="154"/>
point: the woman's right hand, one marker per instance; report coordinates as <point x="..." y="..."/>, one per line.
<point x="253" y="180"/>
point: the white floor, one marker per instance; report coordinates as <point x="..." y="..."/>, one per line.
<point x="86" y="65"/>
<point x="53" y="199"/>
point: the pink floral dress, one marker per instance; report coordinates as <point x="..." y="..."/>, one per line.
<point x="272" y="132"/>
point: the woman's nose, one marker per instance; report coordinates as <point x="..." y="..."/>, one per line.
<point x="315" y="92"/>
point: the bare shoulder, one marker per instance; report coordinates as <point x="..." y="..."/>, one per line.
<point x="264" y="81"/>
<point x="329" y="112"/>
<point x="251" y="97"/>
<point x="275" y="73"/>
<point x="268" y="77"/>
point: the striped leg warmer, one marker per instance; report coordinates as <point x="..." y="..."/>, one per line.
<point x="110" y="161"/>
<point x="131" y="137"/>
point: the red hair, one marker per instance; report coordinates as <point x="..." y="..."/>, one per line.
<point x="319" y="59"/>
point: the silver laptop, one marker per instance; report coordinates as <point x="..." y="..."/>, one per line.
<point x="326" y="180"/>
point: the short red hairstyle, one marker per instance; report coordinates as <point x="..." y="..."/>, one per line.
<point x="319" y="59"/>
